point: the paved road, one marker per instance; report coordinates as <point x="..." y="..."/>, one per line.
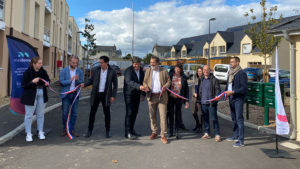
<point x="97" y="152"/>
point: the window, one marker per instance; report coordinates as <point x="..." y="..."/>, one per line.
<point x="172" y="54"/>
<point x="36" y="20"/>
<point x="206" y="52"/>
<point x="61" y="12"/>
<point x="222" y="50"/>
<point x="1" y="9"/>
<point x="214" y="51"/>
<point x="26" y="10"/>
<point x="183" y="53"/>
<point x="246" y="48"/>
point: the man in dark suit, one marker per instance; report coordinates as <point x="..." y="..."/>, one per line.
<point x="105" y="86"/>
<point x="236" y="89"/>
<point x="133" y="89"/>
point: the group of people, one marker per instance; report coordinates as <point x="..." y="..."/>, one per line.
<point x="165" y="91"/>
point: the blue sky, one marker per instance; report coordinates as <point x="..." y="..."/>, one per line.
<point x="165" y="22"/>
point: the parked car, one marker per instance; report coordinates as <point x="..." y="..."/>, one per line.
<point x="253" y="73"/>
<point x="167" y="67"/>
<point x="272" y="72"/>
<point x="284" y="78"/>
<point x="190" y="69"/>
<point x="221" y="71"/>
<point x="145" y="67"/>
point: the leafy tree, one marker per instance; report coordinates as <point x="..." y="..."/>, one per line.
<point x="258" y="32"/>
<point x="127" y="57"/>
<point x="146" y="60"/>
<point x="90" y="39"/>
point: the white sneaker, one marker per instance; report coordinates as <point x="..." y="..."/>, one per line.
<point x="42" y="136"/>
<point x="29" y="137"/>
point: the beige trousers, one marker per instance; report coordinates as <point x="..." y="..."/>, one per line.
<point x="153" y="104"/>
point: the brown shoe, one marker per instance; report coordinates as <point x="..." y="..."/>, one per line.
<point x="164" y="140"/>
<point x="74" y="134"/>
<point x="153" y="136"/>
<point x="218" y="138"/>
<point x="206" y="136"/>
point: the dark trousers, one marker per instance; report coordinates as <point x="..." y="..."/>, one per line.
<point x="236" y="107"/>
<point x="66" y="104"/>
<point x="100" y="97"/>
<point x="210" y="112"/>
<point x="174" y="108"/>
<point x="132" y="103"/>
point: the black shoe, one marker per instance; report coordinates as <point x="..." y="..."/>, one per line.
<point x="182" y="127"/>
<point x="135" y="134"/>
<point x="107" y="134"/>
<point x="177" y="134"/>
<point x="170" y="135"/>
<point x="131" y="136"/>
<point x="88" y="134"/>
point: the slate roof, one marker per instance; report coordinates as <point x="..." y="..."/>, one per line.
<point x="287" y="24"/>
<point x="105" y="48"/>
<point x="162" y="49"/>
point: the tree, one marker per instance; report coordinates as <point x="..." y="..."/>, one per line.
<point x="90" y="39"/>
<point x="127" y="57"/>
<point x="258" y="32"/>
<point x="146" y="60"/>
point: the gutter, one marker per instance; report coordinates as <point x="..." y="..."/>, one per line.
<point x="292" y="83"/>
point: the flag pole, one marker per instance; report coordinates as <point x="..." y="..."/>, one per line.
<point x="132" y="48"/>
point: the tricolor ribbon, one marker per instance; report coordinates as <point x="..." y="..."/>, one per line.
<point x="218" y="97"/>
<point x="70" y="110"/>
<point x="164" y="88"/>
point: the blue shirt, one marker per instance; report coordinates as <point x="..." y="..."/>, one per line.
<point x="205" y="91"/>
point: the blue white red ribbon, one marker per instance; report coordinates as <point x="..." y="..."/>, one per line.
<point x="218" y="97"/>
<point x="172" y="93"/>
<point x="70" y="110"/>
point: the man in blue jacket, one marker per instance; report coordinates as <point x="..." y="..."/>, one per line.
<point x="70" y="77"/>
<point x="237" y="90"/>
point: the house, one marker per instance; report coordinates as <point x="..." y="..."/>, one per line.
<point x="161" y="51"/>
<point x="110" y="51"/>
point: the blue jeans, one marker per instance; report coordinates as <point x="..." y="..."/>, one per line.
<point x="39" y="108"/>
<point x="210" y="112"/>
<point x="236" y="107"/>
<point x="66" y="103"/>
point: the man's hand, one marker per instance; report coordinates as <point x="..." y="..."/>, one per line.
<point x="195" y="94"/>
<point x="146" y="89"/>
<point x="229" y="92"/>
<point x="142" y="88"/>
<point x="74" y="77"/>
<point x="186" y="105"/>
<point x="36" y="80"/>
<point x="142" y="98"/>
<point x="112" y="99"/>
<point x="82" y="85"/>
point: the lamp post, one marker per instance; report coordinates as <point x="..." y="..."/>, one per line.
<point x="211" y="19"/>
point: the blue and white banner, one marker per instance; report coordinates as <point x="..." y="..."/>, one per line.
<point x="20" y="54"/>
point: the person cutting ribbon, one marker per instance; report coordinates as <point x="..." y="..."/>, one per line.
<point x="70" y="77"/>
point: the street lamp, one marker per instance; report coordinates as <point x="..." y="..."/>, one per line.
<point x="211" y="19"/>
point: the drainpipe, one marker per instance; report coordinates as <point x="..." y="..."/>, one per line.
<point x="292" y="84"/>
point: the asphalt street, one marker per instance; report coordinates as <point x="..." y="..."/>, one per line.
<point x="188" y="152"/>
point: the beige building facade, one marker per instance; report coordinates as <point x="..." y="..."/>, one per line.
<point x="42" y="23"/>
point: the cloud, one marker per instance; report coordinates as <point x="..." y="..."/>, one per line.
<point x="165" y="23"/>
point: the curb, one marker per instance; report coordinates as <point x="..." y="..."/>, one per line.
<point x="253" y="126"/>
<point x="21" y="127"/>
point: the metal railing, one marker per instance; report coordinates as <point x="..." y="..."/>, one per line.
<point x="46" y="34"/>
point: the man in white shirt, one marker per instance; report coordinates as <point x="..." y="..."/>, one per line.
<point x="105" y="86"/>
<point x="156" y="78"/>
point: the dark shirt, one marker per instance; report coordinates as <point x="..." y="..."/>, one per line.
<point x="205" y="91"/>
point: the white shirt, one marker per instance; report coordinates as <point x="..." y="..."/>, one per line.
<point x="230" y="87"/>
<point x="156" y="87"/>
<point x="103" y="76"/>
<point x="137" y="73"/>
<point x="72" y="73"/>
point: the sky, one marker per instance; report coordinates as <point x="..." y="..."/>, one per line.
<point x="165" y="22"/>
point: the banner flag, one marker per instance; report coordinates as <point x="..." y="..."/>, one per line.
<point x="282" y="124"/>
<point x="20" y="54"/>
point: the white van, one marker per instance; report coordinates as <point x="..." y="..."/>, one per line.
<point x="190" y="69"/>
<point x="221" y="71"/>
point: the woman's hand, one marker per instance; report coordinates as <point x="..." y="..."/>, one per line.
<point x="36" y="80"/>
<point x="186" y="105"/>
